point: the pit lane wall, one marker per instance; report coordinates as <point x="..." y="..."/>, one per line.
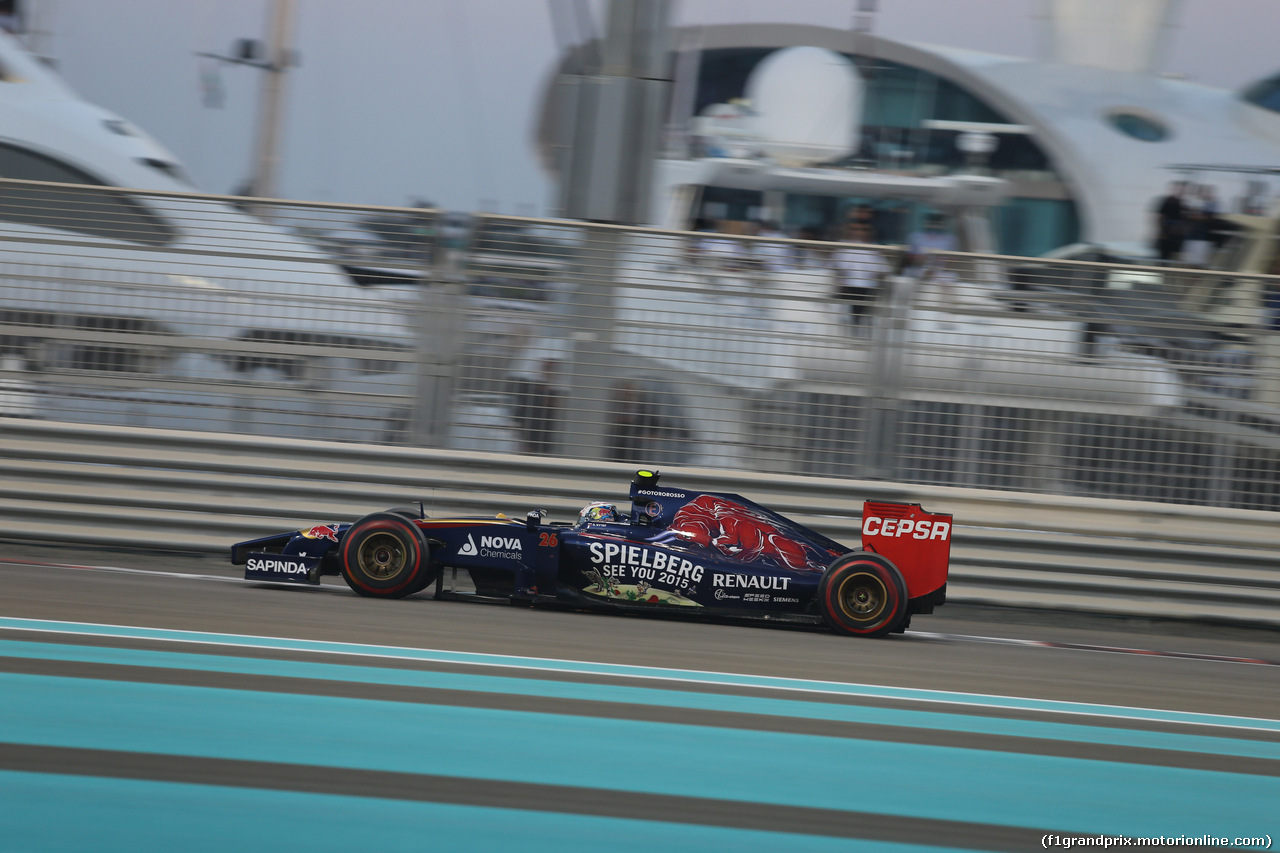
<point x="101" y="485"/>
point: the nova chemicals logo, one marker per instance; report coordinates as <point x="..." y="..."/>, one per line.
<point x="493" y="547"/>
<point x="501" y="547"/>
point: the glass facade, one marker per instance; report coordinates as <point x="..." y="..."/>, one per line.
<point x="898" y="99"/>
<point x="1033" y="226"/>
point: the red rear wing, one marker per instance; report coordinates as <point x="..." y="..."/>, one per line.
<point x="918" y="542"/>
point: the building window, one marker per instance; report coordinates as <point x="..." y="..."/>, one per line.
<point x="1029" y="227"/>
<point x="898" y="98"/>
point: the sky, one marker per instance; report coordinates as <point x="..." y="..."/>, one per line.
<point x="400" y="100"/>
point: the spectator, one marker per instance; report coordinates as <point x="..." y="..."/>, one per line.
<point x="694" y="245"/>
<point x="646" y="424"/>
<point x="536" y="395"/>
<point x="864" y="214"/>
<point x="1171" y="222"/>
<point x="721" y="250"/>
<point x="1201" y="215"/>
<point x="935" y="237"/>
<point x="859" y="269"/>
<point x="808" y="256"/>
<point x="772" y="257"/>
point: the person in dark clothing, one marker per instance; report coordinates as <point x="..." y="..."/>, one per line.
<point x="634" y="424"/>
<point x="1171" y="222"/>
<point x="536" y="401"/>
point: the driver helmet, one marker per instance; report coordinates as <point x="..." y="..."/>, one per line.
<point x="599" y="511"/>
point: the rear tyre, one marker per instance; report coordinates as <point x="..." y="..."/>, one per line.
<point x="385" y="555"/>
<point x="862" y="595"/>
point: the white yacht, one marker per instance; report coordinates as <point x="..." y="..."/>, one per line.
<point x="151" y="307"/>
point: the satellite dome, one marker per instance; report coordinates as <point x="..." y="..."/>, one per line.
<point x="808" y="102"/>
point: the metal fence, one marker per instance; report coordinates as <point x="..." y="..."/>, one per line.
<point x="410" y="326"/>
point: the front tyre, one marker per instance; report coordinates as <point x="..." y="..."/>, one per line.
<point x="385" y="555"/>
<point x="863" y="595"/>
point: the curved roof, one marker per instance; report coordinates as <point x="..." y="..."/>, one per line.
<point x="1112" y="135"/>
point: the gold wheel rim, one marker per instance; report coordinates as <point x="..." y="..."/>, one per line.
<point x="863" y="596"/>
<point x="382" y="556"/>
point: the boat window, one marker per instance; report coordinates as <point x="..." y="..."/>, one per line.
<point x="173" y="170"/>
<point x="83" y="211"/>
<point x="1144" y="128"/>
<point x="275" y="355"/>
<point x="107" y="347"/>
<point x="1264" y="93"/>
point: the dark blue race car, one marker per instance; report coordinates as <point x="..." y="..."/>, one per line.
<point x="675" y="551"/>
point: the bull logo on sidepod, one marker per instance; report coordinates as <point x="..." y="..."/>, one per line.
<point x="740" y="533"/>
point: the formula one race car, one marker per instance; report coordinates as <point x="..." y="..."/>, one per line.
<point x="676" y="551"/>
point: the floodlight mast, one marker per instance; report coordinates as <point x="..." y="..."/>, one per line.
<point x="278" y="58"/>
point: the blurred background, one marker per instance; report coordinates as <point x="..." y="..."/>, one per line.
<point x="662" y="233"/>
<point x="400" y="100"/>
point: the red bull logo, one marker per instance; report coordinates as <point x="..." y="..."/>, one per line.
<point x="737" y="532"/>
<point x="321" y="531"/>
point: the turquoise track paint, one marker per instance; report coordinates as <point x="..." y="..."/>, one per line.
<point x="127" y="816"/>
<point x="648" y="696"/>
<point x="948" y="783"/>
<point x="625" y="671"/>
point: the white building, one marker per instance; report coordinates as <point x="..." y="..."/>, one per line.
<point x="1106" y="131"/>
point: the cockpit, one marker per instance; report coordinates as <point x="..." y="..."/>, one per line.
<point x="599" y="512"/>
